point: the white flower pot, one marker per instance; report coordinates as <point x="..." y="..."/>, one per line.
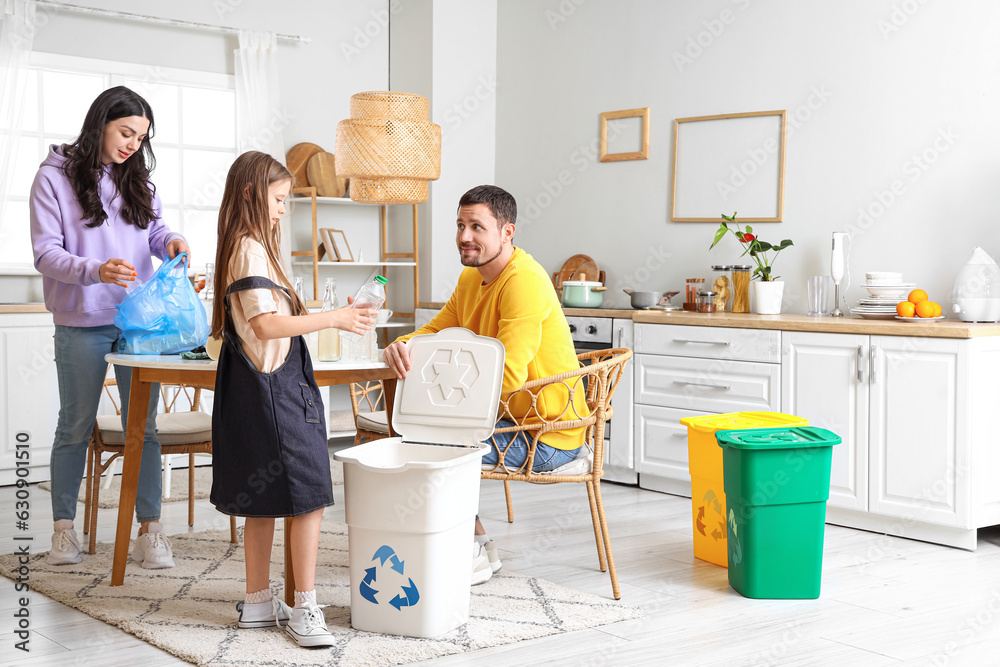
<point x="767" y="297"/>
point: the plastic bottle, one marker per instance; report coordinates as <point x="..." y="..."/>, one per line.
<point x="371" y="295"/>
<point x="312" y="339"/>
<point x="329" y="339"/>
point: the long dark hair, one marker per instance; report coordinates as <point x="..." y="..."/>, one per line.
<point x="244" y="214"/>
<point x="131" y="178"/>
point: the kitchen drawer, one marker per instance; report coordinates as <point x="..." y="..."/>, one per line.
<point x="709" y="342"/>
<point x="708" y="385"/>
<point x="663" y="449"/>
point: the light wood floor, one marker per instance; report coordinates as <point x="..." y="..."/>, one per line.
<point x="885" y="601"/>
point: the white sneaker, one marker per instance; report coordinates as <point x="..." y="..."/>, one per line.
<point x="481" y="571"/>
<point x="307" y="627"/>
<point x="263" y="614"/>
<point x="493" y="554"/>
<point x="152" y="550"/>
<point x="65" y="548"/>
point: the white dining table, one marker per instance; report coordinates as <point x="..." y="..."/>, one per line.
<point x="172" y="369"/>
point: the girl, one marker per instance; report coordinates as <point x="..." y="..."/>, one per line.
<point x="268" y="428"/>
<point x="95" y="223"/>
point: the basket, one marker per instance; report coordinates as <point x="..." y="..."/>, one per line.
<point x="389" y="148"/>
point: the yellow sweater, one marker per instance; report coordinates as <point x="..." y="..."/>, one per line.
<point x="520" y="309"/>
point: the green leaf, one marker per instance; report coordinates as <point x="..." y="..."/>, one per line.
<point x="730" y="219"/>
<point x="748" y="229"/>
<point x="784" y="244"/>
<point x="719" y="234"/>
<point x="763" y="246"/>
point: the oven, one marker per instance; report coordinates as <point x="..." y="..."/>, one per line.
<point x="601" y="333"/>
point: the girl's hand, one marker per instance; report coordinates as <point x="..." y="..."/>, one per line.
<point x="118" y="272"/>
<point x="178" y="246"/>
<point x="355" y="320"/>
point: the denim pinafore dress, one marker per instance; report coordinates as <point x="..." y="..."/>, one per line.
<point x="269" y="452"/>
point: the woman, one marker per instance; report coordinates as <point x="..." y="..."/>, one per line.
<point x="95" y="224"/>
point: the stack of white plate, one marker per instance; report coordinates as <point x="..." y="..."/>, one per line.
<point x="885" y="289"/>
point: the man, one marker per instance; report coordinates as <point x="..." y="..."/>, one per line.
<point x="506" y="294"/>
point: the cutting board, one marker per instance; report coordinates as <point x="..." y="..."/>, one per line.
<point x="574" y="268"/>
<point x="322" y="174"/>
<point x="296" y="160"/>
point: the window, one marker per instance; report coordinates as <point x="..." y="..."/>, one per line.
<point x="194" y="142"/>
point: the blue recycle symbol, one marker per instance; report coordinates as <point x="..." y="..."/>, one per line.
<point x="407" y="598"/>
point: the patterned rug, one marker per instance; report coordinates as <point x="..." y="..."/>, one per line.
<point x="178" y="485"/>
<point x="190" y="611"/>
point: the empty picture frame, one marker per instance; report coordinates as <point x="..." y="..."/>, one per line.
<point x="729" y="162"/>
<point x="336" y="245"/>
<point x="643" y="152"/>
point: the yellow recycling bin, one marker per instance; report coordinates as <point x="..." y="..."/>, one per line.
<point x="708" y="497"/>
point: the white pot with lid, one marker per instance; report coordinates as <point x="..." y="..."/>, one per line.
<point x="976" y="297"/>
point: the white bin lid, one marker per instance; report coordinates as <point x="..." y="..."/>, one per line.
<point x="451" y="394"/>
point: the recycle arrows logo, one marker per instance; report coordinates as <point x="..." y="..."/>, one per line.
<point x="409" y="595"/>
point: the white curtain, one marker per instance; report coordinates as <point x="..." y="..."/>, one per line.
<point x="260" y="118"/>
<point x="17" y="31"/>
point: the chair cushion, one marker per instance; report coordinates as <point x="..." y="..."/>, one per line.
<point x="172" y="428"/>
<point x="374" y="421"/>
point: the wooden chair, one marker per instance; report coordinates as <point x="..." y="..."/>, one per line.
<point x="598" y="376"/>
<point x="368" y="404"/>
<point x="188" y="432"/>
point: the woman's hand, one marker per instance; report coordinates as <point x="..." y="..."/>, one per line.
<point x="118" y="272"/>
<point x="354" y="320"/>
<point x="178" y="246"/>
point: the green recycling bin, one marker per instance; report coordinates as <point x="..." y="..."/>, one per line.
<point x="777" y="481"/>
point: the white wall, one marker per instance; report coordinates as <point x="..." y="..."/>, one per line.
<point x="349" y="52"/>
<point x="878" y="99"/>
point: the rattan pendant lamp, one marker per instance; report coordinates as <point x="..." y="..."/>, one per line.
<point x="389" y="148"/>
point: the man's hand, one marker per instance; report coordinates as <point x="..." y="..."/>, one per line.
<point x="118" y="272"/>
<point x="397" y="357"/>
<point x="178" y="246"/>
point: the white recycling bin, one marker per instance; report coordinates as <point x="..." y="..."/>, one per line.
<point x="411" y="501"/>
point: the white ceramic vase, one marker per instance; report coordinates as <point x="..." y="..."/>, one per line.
<point x="767" y="297"/>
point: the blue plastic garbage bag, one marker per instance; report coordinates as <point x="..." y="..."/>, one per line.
<point x="164" y="316"/>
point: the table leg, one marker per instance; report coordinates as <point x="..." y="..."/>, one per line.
<point x="138" y="403"/>
<point x="289" y="570"/>
<point x="389" y="391"/>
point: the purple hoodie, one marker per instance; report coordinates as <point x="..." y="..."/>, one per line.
<point x="69" y="254"/>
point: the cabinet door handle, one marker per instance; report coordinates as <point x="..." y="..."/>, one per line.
<point x="703" y="384"/>
<point x="621" y="335"/>
<point x="701" y="342"/>
<point x="872" y="356"/>
<point x="861" y="362"/>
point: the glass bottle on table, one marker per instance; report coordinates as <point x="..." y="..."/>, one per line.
<point x="329" y="339"/>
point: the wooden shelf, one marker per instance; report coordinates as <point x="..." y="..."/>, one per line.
<point x="350" y="264"/>
<point x="308" y="194"/>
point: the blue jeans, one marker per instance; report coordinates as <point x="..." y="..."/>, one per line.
<point x="81" y="368"/>
<point x="516" y="453"/>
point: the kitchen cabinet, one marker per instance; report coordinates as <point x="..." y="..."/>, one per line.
<point x="682" y="371"/>
<point x="29" y="393"/>
<point x="919" y="455"/>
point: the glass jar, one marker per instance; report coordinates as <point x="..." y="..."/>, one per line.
<point x="691" y="288"/>
<point x="722" y="286"/>
<point x="706" y="301"/>
<point x="741" y="288"/>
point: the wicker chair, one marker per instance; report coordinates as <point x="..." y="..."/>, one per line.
<point x="598" y="375"/>
<point x="187" y="432"/>
<point x="368" y="404"/>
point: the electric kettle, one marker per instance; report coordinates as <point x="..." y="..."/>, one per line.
<point x="976" y="297"/>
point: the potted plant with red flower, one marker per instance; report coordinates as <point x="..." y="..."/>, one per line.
<point x="768" y="289"/>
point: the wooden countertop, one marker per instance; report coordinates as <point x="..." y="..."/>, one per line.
<point x="798" y="322"/>
<point x="14" y="308"/>
<point x="626" y="313"/>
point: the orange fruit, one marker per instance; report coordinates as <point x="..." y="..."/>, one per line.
<point x="916" y="296"/>
<point x="937" y="309"/>
<point x="926" y="309"/>
<point x="905" y="309"/>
